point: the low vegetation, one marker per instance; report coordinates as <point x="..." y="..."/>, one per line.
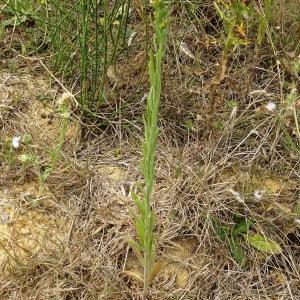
<point x="150" y="149"/>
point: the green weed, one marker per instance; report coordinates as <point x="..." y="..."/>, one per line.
<point x="144" y="222"/>
<point x="8" y="153"/>
<point x="232" y="236"/>
<point x="17" y="12"/>
<point x="241" y="229"/>
<point x="233" y="16"/>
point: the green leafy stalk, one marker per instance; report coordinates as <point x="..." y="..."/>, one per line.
<point x="264" y="20"/>
<point x="144" y="221"/>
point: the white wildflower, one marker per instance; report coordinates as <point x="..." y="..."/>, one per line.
<point x="271" y="107"/>
<point x="4" y="219"/>
<point x="259" y="194"/>
<point x="16" y="142"/>
<point x="184" y="49"/>
<point x="65" y="115"/>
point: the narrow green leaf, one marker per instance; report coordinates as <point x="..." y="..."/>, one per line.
<point x="221" y="231"/>
<point x="140" y="204"/>
<point x="237" y="251"/>
<point x="139" y="226"/>
<point x="140" y="229"/>
<point x="219" y="11"/>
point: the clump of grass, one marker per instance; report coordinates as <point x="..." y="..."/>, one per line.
<point x="85" y="38"/>
<point x="144" y="222"/>
<point x="100" y="29"/>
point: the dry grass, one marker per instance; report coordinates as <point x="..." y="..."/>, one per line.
<point x="207" y="149"/>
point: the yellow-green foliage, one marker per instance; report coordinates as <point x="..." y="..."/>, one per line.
<point x="144" y="221"/>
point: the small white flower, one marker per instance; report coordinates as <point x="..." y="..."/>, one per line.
<point x="271" y="107"/>
<point x="184" y="49"/>
<point x="259" y="194"/>
<point x="16" y="142"/>
<point x="4" y="219"/>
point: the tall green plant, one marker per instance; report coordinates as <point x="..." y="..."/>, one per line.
<point x="144" y="221"/>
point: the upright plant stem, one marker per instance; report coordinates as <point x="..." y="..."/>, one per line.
<point x="144" y="222"/>
<point x="151" y="136"/>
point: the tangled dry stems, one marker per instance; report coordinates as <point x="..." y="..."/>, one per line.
<point x="89" y="190"/>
